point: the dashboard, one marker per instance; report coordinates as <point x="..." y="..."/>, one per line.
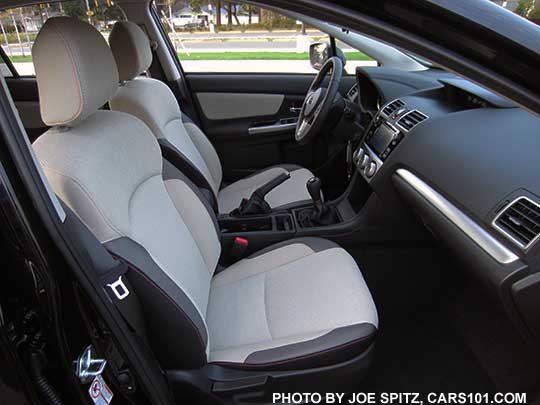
<point x="465" y="161"/>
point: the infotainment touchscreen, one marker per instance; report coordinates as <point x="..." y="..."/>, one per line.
<point x="382" y="139"/>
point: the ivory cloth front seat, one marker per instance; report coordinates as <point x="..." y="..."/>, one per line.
<point x="299" y="304"/>
<point x="182" y="142"/>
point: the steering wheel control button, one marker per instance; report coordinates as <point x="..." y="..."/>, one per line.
<point x="371" y="169"/>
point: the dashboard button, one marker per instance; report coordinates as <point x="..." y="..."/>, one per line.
<point x="359" y="155"/>
<point x="371" y="169"/>
<point x="365" y="161"/>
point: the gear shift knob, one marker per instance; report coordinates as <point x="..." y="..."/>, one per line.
<point x="313" y="186"/>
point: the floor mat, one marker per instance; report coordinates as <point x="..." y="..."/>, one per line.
<point x="424" y="354"/>
<point x="418" y="348"/>
<point x="504" y="354"/>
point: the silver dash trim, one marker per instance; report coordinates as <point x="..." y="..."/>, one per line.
<point x="487" y="242"/>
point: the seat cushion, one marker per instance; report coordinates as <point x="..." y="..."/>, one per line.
<point x="291" y="191"/>
<point x="298" y="304"/>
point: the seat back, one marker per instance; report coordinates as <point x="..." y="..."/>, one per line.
<point x="183" y="143"/>
<point x="107" y="167"/>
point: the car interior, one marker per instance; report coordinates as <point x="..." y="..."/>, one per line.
<point x="285" y="232"/>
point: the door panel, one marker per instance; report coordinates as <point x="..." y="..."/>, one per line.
<point x="222" y="106"/>
<point x="256" y="136"/>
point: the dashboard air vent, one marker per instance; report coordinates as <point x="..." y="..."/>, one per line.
<point x="392" y="107"/>
<point x="412" y="119"/>
<point x="520" y="221"/>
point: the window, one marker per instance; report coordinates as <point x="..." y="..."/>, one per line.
<point x="19" y="27"/>
<point x="241" y="38"/>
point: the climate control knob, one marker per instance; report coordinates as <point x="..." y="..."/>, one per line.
<point x="359" y="156"/>
<point x="365" y="161"/>
<point x="370" y="170"/>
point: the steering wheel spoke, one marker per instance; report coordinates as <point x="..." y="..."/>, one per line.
<point x="303" y="129"/>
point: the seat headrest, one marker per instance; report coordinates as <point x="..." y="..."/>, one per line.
<point x="75" y="71"/>
<point x="131" y="49"/>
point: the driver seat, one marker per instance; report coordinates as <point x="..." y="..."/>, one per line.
<point x="181" y="141"/>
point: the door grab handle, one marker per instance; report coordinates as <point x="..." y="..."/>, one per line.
<point x="272" y="129"/>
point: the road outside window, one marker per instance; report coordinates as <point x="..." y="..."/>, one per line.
<point x="220" y="37"/>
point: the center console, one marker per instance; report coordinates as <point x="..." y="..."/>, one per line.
<point x="391" y="125"/>
<point x="261" y="230"/>
<point x="357" y="213"/>
<point x="307" y="218"/>
<point x="259" y="226"/>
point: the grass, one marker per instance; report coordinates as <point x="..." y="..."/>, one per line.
<point x="18" y="58"/>
<point x="260" y="56"/>
<point x="234" y="56"/>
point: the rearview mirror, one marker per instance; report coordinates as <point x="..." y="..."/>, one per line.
<point x="319" y="52"/>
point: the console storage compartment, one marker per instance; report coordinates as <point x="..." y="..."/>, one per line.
<point x="235" y="225"/>
<point x="260" y="230"/>
<point x="256" y="223"/>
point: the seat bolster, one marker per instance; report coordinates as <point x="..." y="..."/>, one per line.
<point x="184" y="165"/>
<point x="206" y="195"/>
<point x="199" y="220"/>
<point x="315" y="244"/>
<point x="334" y="347"/>
<point x="164" y="301"/>
<point x="206" y="149"/>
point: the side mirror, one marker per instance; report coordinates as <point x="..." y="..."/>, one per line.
<point x="319" y="52"/>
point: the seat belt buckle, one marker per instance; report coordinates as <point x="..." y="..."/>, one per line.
<point x="119" y="289"/>
<point x="239" y="248"/>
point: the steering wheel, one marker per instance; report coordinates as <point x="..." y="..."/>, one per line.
<point x="318" y="101"/>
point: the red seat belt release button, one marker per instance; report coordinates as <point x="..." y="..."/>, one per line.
<point x="241" y="241"/>
<point x="239" y="248"/>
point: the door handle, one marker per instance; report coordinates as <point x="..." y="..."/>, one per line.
<point x="295" y="109"/>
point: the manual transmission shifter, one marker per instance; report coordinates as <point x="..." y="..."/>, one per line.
<point x="313" y="186"/>
<point x="320" y="213"/>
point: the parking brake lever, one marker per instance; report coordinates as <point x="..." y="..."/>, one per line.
<point x="256" y="203"/>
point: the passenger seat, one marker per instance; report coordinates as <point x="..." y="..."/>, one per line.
<point x="300" y="305"/>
